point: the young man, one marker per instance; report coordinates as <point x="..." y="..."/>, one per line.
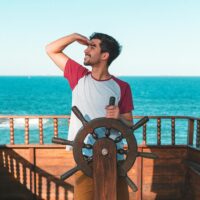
<point x="91" y="90"/>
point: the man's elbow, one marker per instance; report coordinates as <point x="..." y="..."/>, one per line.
<point x="48" y="49"/>
<point x="51" y="50"/>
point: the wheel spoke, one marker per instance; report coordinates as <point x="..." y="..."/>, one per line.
<point x="94" y="135"/>
<point x="131" y="184"/>
<point x="69" y="173"/>
<point x="79" y="115"/>
<point x="87" y="146"/>
<point x="122" y="151"/>
<point x="107" y="133"/>
<point x="88" y="158"/>
<point x="62" y="141"/>
<point x="118" y="139"/>
<point x="140" y="123"/>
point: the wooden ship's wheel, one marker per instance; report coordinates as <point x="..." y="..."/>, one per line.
<point x="102" y="160"/>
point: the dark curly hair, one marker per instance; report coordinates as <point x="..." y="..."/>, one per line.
<point x="108" y="44"/>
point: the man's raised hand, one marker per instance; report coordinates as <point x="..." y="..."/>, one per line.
<point x="82" y="39"/>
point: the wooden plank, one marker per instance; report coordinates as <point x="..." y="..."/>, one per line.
<point x="169" y="170"/>
<point x="168" y="152"/>
<point x="139" y="178"/>
<point x="194" y="155"/>
<point x="163" y="161"/>
<point x="55" y="162"/>
<point x="194" y="185"/>
<point x="43" y="153"/>
<point x="193" y="182"/>
<point x="164" y="179"/>
<point x="105" y="170"/>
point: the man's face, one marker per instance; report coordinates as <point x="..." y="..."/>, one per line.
<point x="93" y="53"/>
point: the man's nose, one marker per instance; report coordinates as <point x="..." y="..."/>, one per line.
<point x="86" y="50"/>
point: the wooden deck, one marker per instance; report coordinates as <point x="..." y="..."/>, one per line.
<point x="32" y="171"/>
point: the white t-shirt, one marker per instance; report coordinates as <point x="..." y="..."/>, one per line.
<point x="91" y="96"/>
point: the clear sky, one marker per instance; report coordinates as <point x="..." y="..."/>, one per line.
<point x="159" y="37"/>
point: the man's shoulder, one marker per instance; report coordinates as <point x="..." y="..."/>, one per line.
<point x="73" y="62"/>
<point x="120" y="82"/>
<point x="74" y="72"/>
<point x="72" y="66"/>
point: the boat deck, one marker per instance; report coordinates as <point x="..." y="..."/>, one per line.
<point x="31" y="171"/>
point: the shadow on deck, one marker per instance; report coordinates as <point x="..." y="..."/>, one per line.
<point x="21" y="179"/>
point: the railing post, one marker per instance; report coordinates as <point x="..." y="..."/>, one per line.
<point x="26" y="130"/>
<point x="159" y="131"/>
<point x="55" y="123"/>
<point x="190" y="131"/>
<point x="198" y="134"/>
<point x="11" y="131"/>
<point x="41" y="130"/>
<point x="144" y="134"/>
<point x="173" y="130"/>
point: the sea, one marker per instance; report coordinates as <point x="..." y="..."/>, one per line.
<point x="43" y="95"/>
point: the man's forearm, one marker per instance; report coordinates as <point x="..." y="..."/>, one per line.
<point x="128" y="122"/>
<point x="59" y="45"/>
<point x="55" y="49"/>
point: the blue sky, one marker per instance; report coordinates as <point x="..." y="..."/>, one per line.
<point x="159" y="37"/>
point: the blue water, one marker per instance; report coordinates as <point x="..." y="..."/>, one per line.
<point x="52" y="96"/>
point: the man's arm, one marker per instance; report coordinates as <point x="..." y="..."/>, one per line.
<point x="55" y="49"/>
<point x="113" y="112"/>
<point x="127" y="118"/>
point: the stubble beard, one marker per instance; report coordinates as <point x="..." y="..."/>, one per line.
<point x="86" y="63"/>
<point x="87" y="60"/>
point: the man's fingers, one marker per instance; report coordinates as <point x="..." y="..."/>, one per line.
<point x="115" y="116"/>
<point x="83" y="41"/>
<point x="110" y="107"/>
<point x="112" y="112"/>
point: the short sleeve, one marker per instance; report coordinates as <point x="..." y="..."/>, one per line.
<point x="73" y="72"/>
<point x="126" y="101"/>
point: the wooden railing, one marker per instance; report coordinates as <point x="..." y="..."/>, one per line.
<point x="40" y="125"/>
<point x="191" y="132"/>
<point x="193" y="129"/>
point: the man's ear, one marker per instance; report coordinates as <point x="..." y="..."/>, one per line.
<point x="105" y="56"/>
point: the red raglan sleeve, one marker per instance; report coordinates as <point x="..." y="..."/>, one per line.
<point x="73" y="72"/>
<point x="126" y="101"/>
